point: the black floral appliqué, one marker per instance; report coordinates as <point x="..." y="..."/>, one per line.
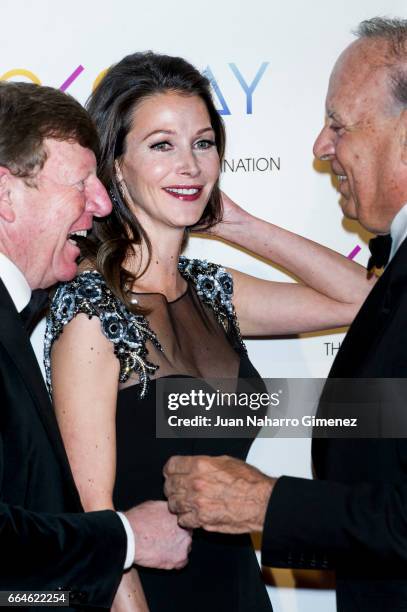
<point x="128" y="332"/>
<point x="214" y="285"/>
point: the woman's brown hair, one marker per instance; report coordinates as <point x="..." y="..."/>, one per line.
<point x="111" y="106"/>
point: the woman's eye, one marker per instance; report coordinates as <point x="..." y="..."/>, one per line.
<point x="205" y="144"/>
<point x="161" y="146"/>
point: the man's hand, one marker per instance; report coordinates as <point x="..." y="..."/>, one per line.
<point x="159" y="541"/>
<point x="217" y="493"/>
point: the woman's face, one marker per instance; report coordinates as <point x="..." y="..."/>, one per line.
<point x="171" y="163"/>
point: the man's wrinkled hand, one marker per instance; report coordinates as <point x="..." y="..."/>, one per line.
<point x="159" y="541"/>
<point x="217" y="493"/>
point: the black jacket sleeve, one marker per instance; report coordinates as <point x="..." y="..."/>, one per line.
<point x="320" y="524"/>
<point x="81" y="553"/>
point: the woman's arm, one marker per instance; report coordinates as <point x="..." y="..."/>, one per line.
<point x="85" y="375"/>
<point x="332" y="287"/>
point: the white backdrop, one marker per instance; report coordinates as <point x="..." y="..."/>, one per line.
<point x="291" y="47"/>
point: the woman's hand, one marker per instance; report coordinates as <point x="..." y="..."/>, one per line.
<point x="233" y="219"/>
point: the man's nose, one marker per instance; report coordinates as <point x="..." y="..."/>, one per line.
<point x="98" y="201"/>
<point x="324" y="146"/>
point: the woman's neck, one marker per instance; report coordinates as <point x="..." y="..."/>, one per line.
<point x="161" y="273"/>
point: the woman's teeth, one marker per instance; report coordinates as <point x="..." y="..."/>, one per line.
<point x="183" y="191"/>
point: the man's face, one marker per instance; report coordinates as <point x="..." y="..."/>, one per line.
<point x="363" y="138"/>
<point x="66" y="196"/>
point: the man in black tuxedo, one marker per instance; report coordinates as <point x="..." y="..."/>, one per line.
<point x="353" y="517"/>
<point x="49" y="191"/>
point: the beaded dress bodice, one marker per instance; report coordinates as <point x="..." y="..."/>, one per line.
<point x="196" y="334"/>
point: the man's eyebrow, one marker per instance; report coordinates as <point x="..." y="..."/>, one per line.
<point x="84" y="177"/>
<point x="334" y="115"/>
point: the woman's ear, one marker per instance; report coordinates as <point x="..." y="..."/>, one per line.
<point x="122" y="183"/>
<point x="118" y="171"/>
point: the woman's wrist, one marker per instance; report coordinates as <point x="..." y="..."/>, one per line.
<point x="233" y="229"/>
<point x="250" y="232"/>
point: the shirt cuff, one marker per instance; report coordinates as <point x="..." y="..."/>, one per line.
<point x="131" y="548"/>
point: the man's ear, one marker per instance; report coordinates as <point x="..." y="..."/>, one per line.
<point x="403" y="137"/>
<point x="6" y="208"/>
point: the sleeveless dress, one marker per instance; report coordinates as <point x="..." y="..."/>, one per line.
<point x="197" y="335"/>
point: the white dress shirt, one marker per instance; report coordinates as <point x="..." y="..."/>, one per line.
<point x="20" y="292"/>
<point x="398" y="230"/>
<point x="15" y="282"/>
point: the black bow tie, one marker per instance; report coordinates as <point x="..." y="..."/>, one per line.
<point x="380" y="248"/>
<point x="35" y="309"/>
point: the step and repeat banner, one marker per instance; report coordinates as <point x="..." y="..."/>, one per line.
<point x="269" y="62"/>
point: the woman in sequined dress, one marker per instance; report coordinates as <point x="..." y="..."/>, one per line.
<point x="139" y="311"/>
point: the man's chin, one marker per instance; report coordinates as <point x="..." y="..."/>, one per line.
<point x="348" y="208"/>
<point x="68" y="275"/>
<point x="66" y="272"/>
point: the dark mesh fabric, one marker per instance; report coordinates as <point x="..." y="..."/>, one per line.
<point x="194" y="343"/>
<point x="222" y="574"/>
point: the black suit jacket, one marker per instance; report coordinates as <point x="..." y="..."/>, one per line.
<point x="46" y="541"/>
<point x="353" y="517"/>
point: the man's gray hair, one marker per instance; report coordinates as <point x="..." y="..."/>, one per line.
<point x="394" y="31"/>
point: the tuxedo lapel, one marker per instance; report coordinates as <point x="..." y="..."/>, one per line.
<point x="364" y="354"/>
<point x="370" y="323"/>
<point x="15" y="340"/>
